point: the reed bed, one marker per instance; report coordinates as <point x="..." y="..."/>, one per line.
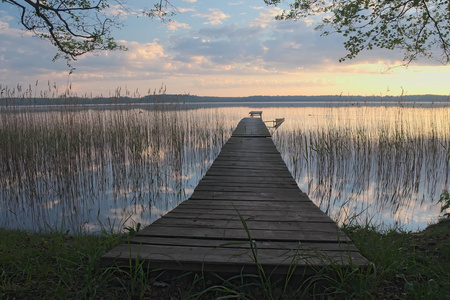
<point x="377" y="165"/>
<point x="109" y="167"/>
<point x="85" y="170"/>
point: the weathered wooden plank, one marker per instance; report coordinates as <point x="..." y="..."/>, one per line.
<point x="256" y="201"/>
<point x="250" y="154"/>
<point x="251" y="127"/>
<point x="239" y="195"/>
<point x="260" y="146"/>
<point x="214" y="243"/>
<point x="257" y="144"/>
<point x="281" y="186"/>
<point x="246" y="147"/>
<point x="259" y="164"/>
<point x="249" y="145"/>
<point x="249" y="175"/>
<point x="275" y="155"/>
<point x="241" y="179"/>
<point x="243" y="205"/>
<point x="250" y="167"/>
<point x="249" y="205"/>
<point x="223" y="260"/>
<point x="241" y="234"/>
<point x="252" y="225"/>
<point x="250" y="213"/>
<point x="249" y="189"/>
<point x="251" y="161"/>
<point x="226" y="172"/>
<point x="225" y="255"/>
<point x="317" y="218"/>
<point x="254" y="144"/>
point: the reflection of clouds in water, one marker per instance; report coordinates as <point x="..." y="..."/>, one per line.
<point x="371" y="181"/>
<point x="166" y="190"/>
<point x="341" y="214"/>
<point x="116" y="219"/>
<point x="50" y="204"/>
<point x="302" y="183"/>
<point x="131" y="216"/>
<point x="362" y="206"/>
<point x="205" y="162"/>
<point x="94" y="227"/>
<point x="153" y="154"/>
<point x="158" y="174"/>
<point x="189" y="191"/>
<point x="426" y="214"/>
<point x="177" y="176"/>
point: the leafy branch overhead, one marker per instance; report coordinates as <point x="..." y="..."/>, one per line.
<point x="77" y="27"/>
<point x="419" y="28"/>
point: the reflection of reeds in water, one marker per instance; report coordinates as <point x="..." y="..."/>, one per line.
<point x="77" y="168"/>
<point x="359" y="161"/>
<point x="74" y="167"/>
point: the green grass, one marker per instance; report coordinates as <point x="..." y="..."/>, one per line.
<point x="406" y="265"/>
<point x="53" y="265"/>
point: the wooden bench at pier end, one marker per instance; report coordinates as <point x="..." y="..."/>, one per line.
<point x="255" y="113"/>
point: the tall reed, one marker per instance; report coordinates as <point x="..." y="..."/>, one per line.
<point x="76" y="168"/>
<point x="364" y="163"/>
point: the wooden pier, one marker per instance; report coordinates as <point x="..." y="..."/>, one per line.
<point x="247" y="182"/>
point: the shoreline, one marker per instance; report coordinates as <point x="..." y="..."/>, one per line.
<point x="59" y="265"/>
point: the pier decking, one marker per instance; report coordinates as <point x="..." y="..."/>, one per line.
<point x="248" y="180"/>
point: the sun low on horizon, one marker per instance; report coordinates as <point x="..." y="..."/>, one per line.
<point x="228" y="49"/>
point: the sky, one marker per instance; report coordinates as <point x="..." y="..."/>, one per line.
<point x="215" y="48"/>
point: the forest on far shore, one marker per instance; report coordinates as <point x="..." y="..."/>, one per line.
<point x="192" y="99"/>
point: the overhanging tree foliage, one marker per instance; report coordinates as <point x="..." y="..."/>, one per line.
<point x="417" y="27"/>
<point x="77" y="27"/>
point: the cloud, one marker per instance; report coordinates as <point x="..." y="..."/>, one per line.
<point x="174" y="26"/>
<point x="266" y="16"/>
<point x="275" y="46"/>
<point x="27" y="58"/>
<point x="215" y="17"/>
<point x="191" y="1"/>
<point x="261" y="81"/>
<point x="267" y="44"/>
<point x="222" y="45"/>
<point x="3" y="26"/>
<point x="140" y="57"/>
<point x="184" y="10"/>
<point x="4" y="17"/>
<point x="144" y="51"/>
<point x="120" y="10"/>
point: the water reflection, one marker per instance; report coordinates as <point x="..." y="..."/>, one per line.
<point x="384" y="166"/>
<point x="92" y="170"/>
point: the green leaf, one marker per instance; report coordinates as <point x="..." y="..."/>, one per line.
<point x="409" y="286"/>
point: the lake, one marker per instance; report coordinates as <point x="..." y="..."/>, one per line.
<point x="93" y="169"/>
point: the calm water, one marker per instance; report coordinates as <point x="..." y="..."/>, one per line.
<point x="93" y="170"/>
<point x="386" y="166"/>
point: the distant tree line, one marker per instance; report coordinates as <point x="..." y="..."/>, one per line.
<point x="177" y="101"/>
